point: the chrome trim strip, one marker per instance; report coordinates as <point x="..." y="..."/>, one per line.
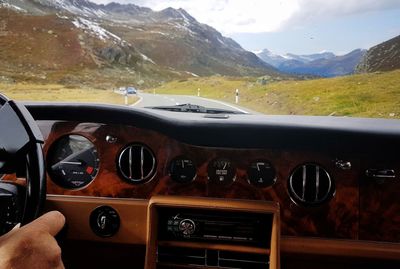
<point x="304" y="182"/>
<point x="316" y="183"/>
<point x="141" y="162"/>
<point x="130" y="162"/>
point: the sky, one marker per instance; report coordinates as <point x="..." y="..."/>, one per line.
<point x="293" y="26"/>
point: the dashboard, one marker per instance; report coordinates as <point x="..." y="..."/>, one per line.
<point x="333" y="178"/>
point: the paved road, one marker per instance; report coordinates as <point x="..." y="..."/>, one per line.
<point x="147" y="99"/>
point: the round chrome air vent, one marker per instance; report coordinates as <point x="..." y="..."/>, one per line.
<point x="310" y="185"/>
<point x="137" y="163"/>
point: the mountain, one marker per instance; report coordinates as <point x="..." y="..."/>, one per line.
<point x="382" y="57"/>
<point x="276" y="60"/>
<point x="170" y="39"/>
<point x="55" y="48"/>
<point x="325" y="67"/>
<point x="325" y="64"/>
<point x="310" y="57"/>
<point x="273" y="59"/>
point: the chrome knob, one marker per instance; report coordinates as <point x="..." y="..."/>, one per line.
<point x="344" y="165"/>
<point x="187" y="227"/>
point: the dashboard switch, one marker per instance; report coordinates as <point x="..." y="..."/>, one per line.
<point x="104" y="221"/>
<point x="380" y="175"/>
<point x="344" y="165"/>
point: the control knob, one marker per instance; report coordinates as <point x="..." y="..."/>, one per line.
<point x="187" y="227"/>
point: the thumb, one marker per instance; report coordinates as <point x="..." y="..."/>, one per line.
<point x="51" y="222"/>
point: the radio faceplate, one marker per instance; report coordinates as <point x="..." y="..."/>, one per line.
<point x="198" y="225"/>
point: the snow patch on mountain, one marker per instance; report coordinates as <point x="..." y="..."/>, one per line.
<point x="79" y="7"/>
<point x="95" y="29"/>
<point x="13" y="7"/>
<point x="146" y="58"/>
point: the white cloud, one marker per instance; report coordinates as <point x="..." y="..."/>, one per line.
<point x="255" y="16"/>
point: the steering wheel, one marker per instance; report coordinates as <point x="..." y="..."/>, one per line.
<point x="20" y="153"/>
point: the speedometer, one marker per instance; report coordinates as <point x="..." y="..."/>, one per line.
<point x="73" y="162"/>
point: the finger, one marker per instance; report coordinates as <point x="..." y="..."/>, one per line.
<point x="51" y="222"/>
<point x="16" y="227"/>
<point x="13" y="230"/>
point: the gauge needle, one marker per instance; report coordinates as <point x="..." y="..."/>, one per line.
<point x="68" y="160"/>
<point x="72" y="163"/>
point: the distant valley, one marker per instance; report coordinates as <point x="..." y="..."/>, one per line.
<point x="324" y="64"/>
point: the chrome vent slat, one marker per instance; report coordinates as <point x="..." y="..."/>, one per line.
<point x="316" y="183"/>
<point x="183" y="256"/>
<point x="310" y="185"/>
<point x="137" y="163"/>
<point x="304" y="181"/>
<point x="141" y="162"/>
<point x="130" y="162"/>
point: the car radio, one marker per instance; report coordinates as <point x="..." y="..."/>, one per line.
<point x="216" y="226"/>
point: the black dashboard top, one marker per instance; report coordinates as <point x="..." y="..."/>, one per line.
<point x="338" y="134"/>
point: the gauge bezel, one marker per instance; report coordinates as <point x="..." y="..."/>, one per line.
<point x="224" y="183"/>
<point x="186" y="158"/>
<point x="50" y="152"/>
<point x="259" y="186"/>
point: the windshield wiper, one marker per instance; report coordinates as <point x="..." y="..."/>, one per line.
<point x="196" y="109"/>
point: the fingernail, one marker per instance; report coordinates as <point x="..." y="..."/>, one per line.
<point x="17" y="226"/>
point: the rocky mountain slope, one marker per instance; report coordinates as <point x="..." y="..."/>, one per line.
<point x="128" y="36"/>
<point x="325" y="64"/>
<point x="51" y="48"/>
<point x="382" y="57"/>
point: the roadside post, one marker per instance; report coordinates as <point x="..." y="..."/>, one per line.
<point x="198" y="92"/>
<point x="126" y="96"/>
<point x="237" y="96"/>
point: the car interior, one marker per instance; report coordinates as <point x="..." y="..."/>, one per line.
<point x="149" y="188"/>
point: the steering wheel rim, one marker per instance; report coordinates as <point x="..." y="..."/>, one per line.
<point x="23" y="155"/>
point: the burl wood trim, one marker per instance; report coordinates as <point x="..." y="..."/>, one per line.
<point x="340" y="248"/>
<point x="135" y="223"/>
<point x="336" y="219"/>
<point x="133" y="215"/>
<point x="157" y="202"/>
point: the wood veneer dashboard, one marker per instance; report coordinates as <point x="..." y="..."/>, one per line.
<point x="361" y="220"/>
<point x="358" y="209"/>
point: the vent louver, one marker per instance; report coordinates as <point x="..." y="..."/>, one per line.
<point x="310" y="185"/>
<point x="206" y="258"/>
<point x="137" y="163"/>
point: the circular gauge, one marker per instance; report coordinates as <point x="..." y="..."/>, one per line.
<point x="73" y="162"/>
<point x="221" y="171"/>
<point x="182" y="170"/>
<point x="261" y="174"/>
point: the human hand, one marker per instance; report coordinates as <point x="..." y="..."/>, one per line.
<point x="33" y="245"/>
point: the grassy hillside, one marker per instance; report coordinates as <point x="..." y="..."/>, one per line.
<point x="59" y="93"/>
<point x="365" y="95"/>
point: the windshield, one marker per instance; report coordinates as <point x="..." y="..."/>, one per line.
<point x="284" y="57"/>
